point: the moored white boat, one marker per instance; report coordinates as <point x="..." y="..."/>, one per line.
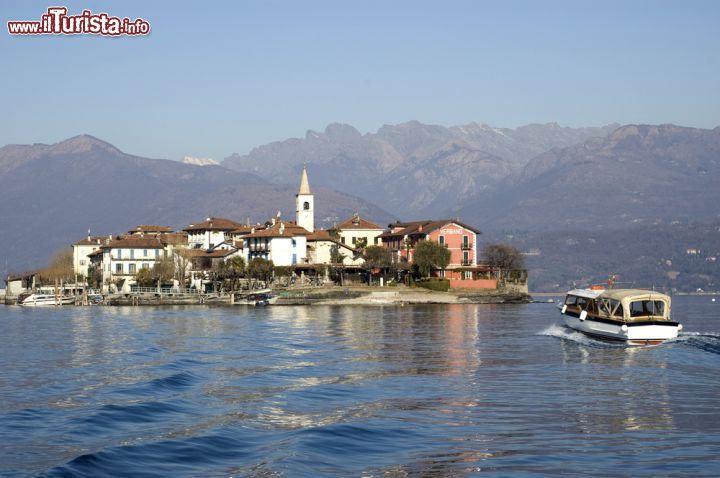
<point x="40" y="299"/>
<point x="260" y="297"/>
<point x="633" y="316"/>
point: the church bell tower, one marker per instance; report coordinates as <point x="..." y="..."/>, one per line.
<point x="304" y="204"/>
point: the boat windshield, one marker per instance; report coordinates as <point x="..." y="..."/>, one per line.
<point x="642" y="308"/>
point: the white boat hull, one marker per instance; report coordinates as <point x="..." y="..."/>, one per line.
<point x="635" y="334"/>
<point x="46" y="301"/>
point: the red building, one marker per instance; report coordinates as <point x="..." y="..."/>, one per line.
<point x="459" y="238"/>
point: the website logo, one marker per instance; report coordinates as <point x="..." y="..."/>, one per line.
<point x="57" y="22"/>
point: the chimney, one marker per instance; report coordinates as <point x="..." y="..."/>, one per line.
<point x="88" y="233"/>
<point x="282" y="228"/>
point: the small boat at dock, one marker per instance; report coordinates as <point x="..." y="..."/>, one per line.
<point x="258" y="298"/>
<point x="632" y="316"/>
<point x="42" y="299"/>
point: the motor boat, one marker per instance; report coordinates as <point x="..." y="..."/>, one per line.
<point x="633" y="316"/>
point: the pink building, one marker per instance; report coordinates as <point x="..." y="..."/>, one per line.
<point x="459" y="238"/>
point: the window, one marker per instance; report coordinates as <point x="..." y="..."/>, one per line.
<point x="640" y="308"/>
<point x="465" y="241"/>
<point x="294" y="258"/>
<point x="306" y="206"/>
<point x="466" y="257"/>
<point x="131" y="269"/>
<point x="354" y="240"/>
<point x="468" y="275"/>
<point x="294" y="244"/>
<point x="82" y="263"/>
<point x="157" y="253"/>
<point x="342" y="239"/>
<point x="442" y="274"/>
<point x="377" y="240"/>
<point x="118" y="269"/>
<point x="119" y="253"/>
<point x="441" y="240"/>
<point x="144" y="252"/>
<point x="145" y="265"/>
<point x="132" y="253"/>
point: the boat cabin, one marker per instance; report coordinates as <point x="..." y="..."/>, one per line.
<point x="627" y="305"/>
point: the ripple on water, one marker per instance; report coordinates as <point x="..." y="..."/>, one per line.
<point x="186" y="456"/>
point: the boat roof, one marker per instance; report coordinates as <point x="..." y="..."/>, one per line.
<point x="587" y="293"/>
<point x="634" y="294"/>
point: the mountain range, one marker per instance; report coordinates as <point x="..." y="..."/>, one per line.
<point x="536" y="186"/>
<point x="413" y="169"/>
<point x="50" y="195"/>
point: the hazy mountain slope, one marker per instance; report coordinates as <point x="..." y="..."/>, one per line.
<point x="51" y="194"/>
<point x="412" y="169"/>
<point x="636" y="175"/>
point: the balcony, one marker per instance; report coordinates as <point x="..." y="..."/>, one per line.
<point x="466" y="246"/>
<point x="466" y="263"/>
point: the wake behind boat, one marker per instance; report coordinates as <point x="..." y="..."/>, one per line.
<point x="633" y="316"/>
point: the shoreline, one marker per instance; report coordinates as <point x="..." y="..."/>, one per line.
<point x="364" y="296"/>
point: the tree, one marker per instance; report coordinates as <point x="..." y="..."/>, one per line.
<point x="361" y="243"/>
<point x="377" y="257"/>
<point x="503" y="257"/>
<point x="261" y="269"/>
<point x="336" y="261"/>
<point x="60" y="266"/>
<point x="430" y="256"/>
<point x="163" y="270"/>
<point x="145" y="278"/>
<point x="181" y="266"/>
<point x="94" y="276"/>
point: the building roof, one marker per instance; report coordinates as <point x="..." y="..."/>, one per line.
<point x="192" y="253"/>
<point x="214" y="224"/>
<point x="320" y="235"/>
<point x="356" y="222"/>
<point x="174" y="238"/>
<point x="423" y="227"/>
<point x="134" y="242"/>
<point x="150" y="229"/>
<point x="91" y="241"/>
<point x="304" y="184"/>
<point x="279" y="229"/>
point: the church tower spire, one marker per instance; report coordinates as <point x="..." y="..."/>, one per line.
<point x="304" y="204"/>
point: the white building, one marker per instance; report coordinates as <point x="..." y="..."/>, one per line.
<point x="321" y="246"/>
<point x="282" y="242"/>
<point x="123" y="256"/>
<point x="81" y="250"/>
<point x="211" y="232"/>
<point x="355" y="229"/>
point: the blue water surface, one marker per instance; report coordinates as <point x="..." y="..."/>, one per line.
<point x="441" y="391"/>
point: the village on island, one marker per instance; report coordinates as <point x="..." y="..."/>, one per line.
<point x="224" y="261"/>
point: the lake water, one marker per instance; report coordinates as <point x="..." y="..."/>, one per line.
<point x="441" y="391"/>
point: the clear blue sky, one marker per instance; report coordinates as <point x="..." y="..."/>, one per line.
<point x="215" y="78"/>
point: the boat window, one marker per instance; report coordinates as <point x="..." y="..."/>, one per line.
<point x="605" y="306"/>
<point x="617" y="308"/>
<point x="582" y="302"/>
<point x="571" y="300"/>
<point x="640" y="308"/>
